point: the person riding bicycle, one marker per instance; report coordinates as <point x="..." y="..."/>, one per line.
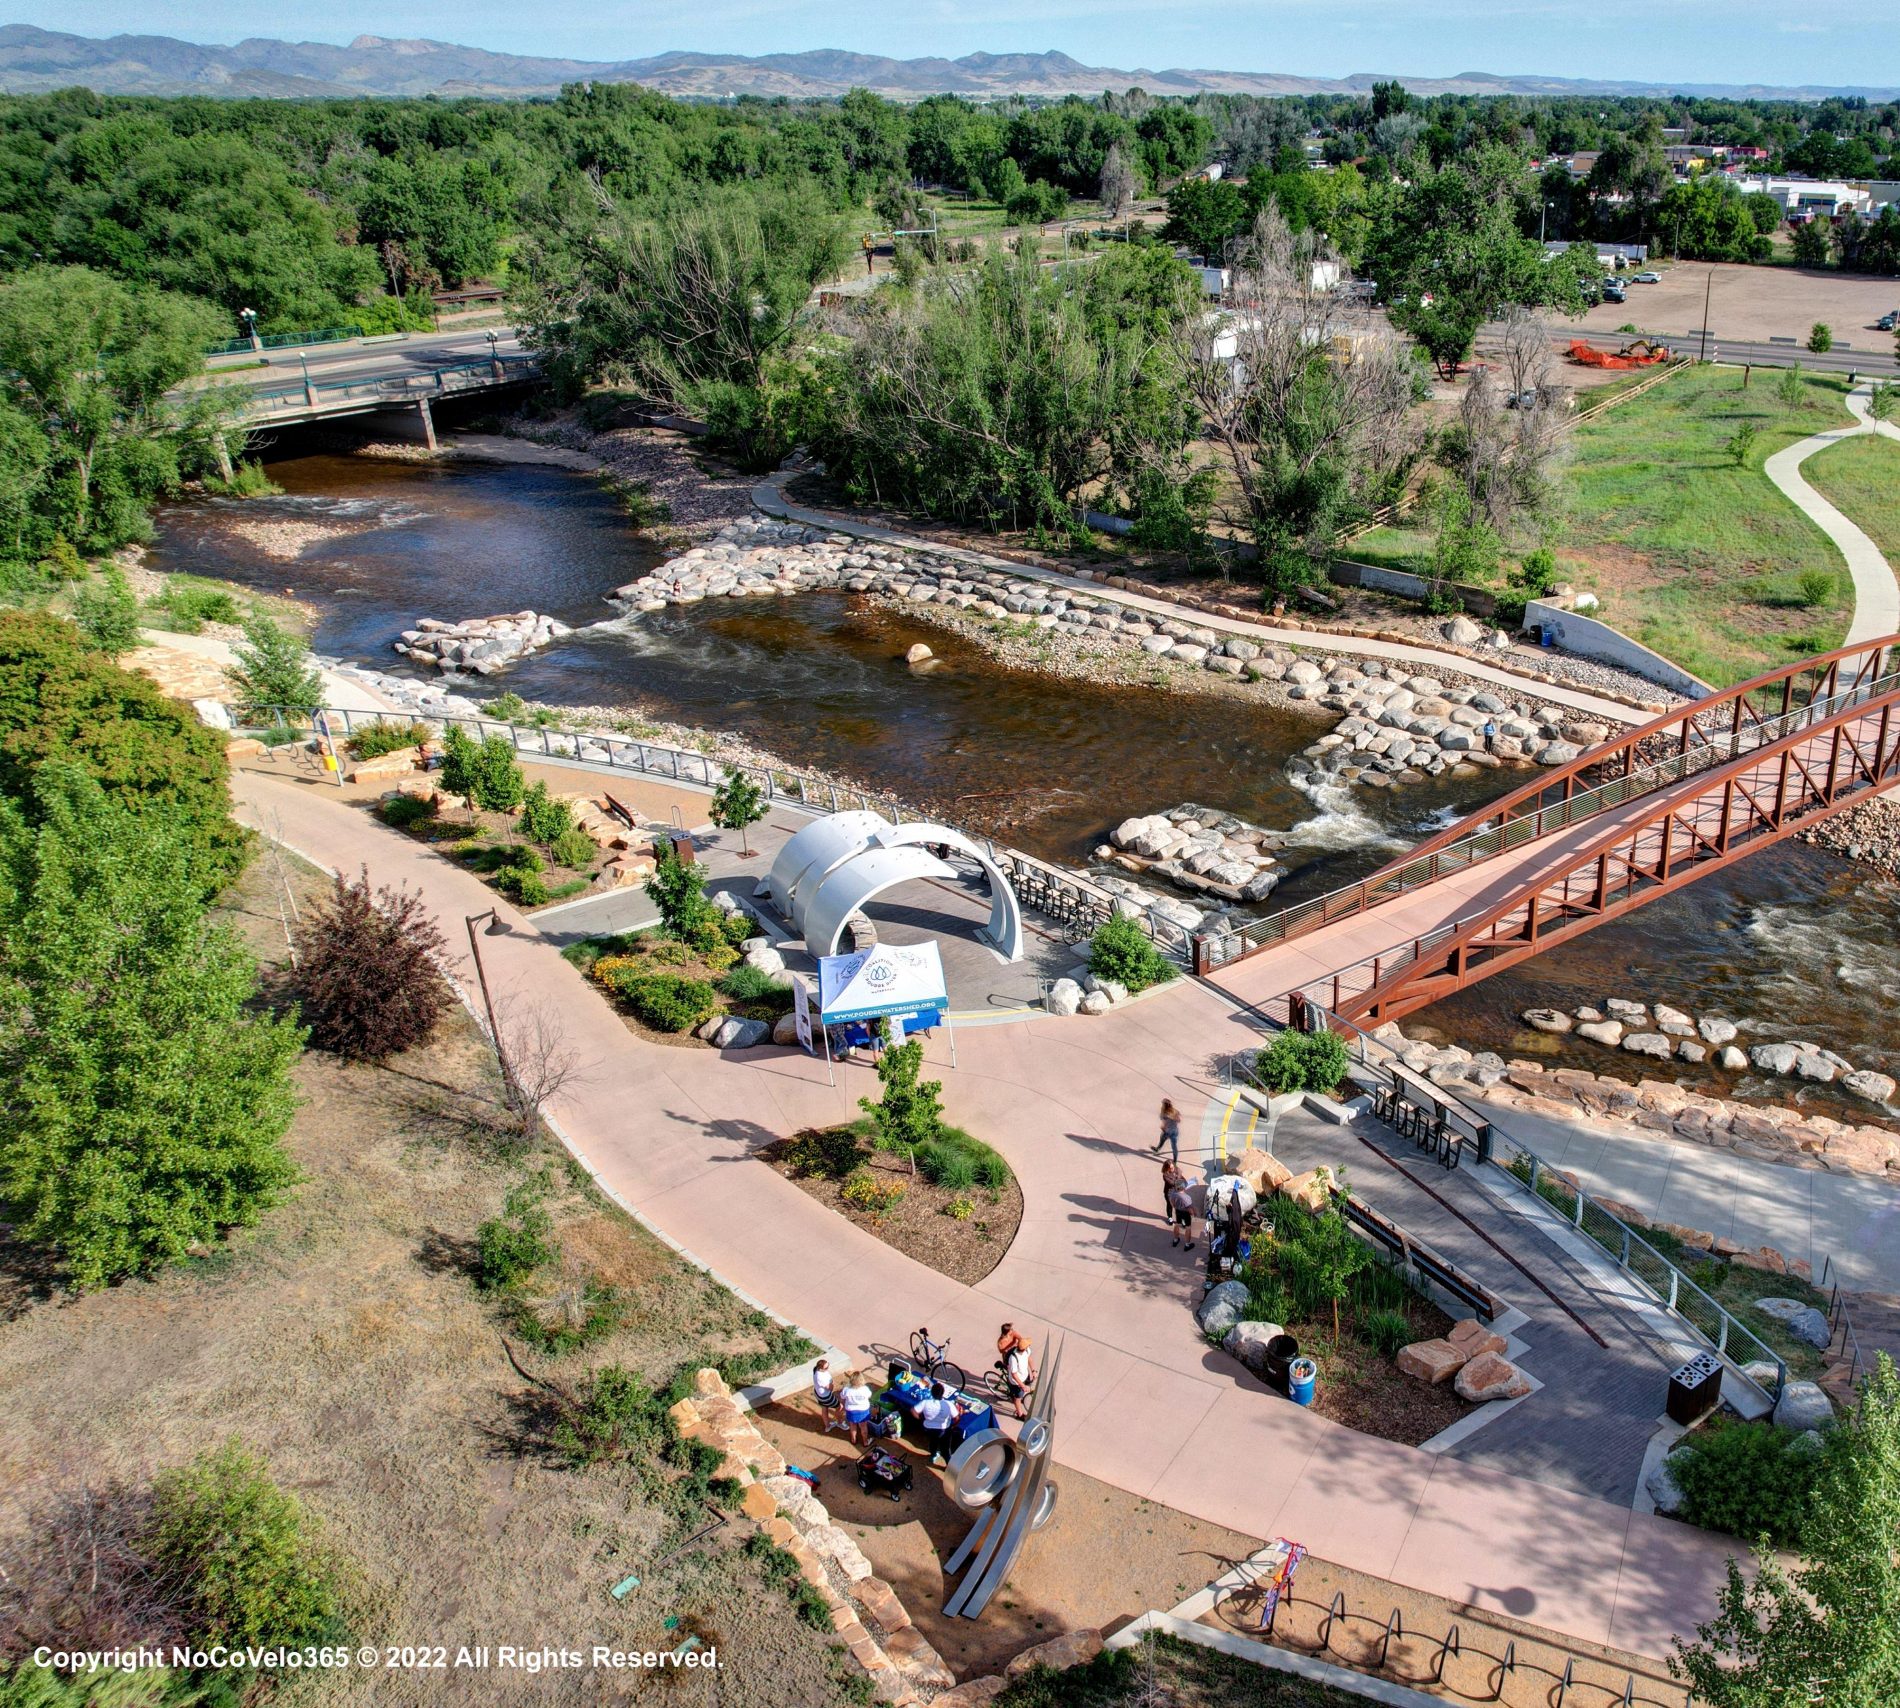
<point x="1017" y="1362"/>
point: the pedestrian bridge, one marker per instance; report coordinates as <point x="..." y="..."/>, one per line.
<point x="1639" y="816"/>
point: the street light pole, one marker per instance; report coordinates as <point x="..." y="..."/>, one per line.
<point x="1707" y="290"/>
<point x="309" y="385"/>
<point x="249" y="317"/>
<point x="495" y="928"/>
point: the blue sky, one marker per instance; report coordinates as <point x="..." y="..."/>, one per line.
<point x="1831" y="42"/>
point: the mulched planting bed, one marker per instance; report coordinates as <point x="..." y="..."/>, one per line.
<point x="1363" y="1389"/>
<point x="919" y="1223"/>
<point x="663" y="954"/>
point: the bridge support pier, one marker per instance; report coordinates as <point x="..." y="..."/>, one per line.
<point x="411" y="422"/>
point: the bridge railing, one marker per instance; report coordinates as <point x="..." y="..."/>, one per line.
<point x="285" y="340"/>
<point x="1214" y="949"/>
<point x="1072" y="901"/>
<point x="1668" y="1285"/>
<point x="402" y="388"/>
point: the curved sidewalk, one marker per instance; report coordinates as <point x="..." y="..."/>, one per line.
<point x="768" y="497"/>
<point x="673" y="1134"/>
<point x="1876" y="592"/>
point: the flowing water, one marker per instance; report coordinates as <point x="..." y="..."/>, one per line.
<point x="1793" y="941"/>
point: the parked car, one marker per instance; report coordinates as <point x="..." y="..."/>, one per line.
<point x="1887" y="322"/>
<point x="1613" y="291"/>
<point x="1646" y="279"/>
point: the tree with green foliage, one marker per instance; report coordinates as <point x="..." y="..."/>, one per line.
<point x="1810" y="244"/>
<point x="738" y="804"/>
<point x="1741" y="443"/>
<point x="1334" y="1254"/>
<point x="1883" y="401"/>
<point x="144" y="1103"/>
<point x="484" y="773"/>
<point x="1206" y="217"/>
<point x="88" y="437"/>
<point x="1304" y="1061"/>
<point x="1820" y="338"/>
<point x="63" y="702"/>
<point x="544" y="817"/>
<point x="1706" y="218"/>
<point x="1792" y="388"/>
<point x="1122" y="952"/>
<point x="107" y="612"/>
<point x="678" y="889"/>
<point x="255" y="1569"/>
<point x="909" y="1113"/>
<point x="1828" y="1629"/>
<point x="271" y="672"/>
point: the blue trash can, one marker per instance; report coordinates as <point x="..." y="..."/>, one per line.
<point x="1302" y="1376"/>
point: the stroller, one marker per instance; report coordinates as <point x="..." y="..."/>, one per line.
<point x="883" y="1473"/>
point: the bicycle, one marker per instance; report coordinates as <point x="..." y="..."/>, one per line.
<point x="927" y="1358"/>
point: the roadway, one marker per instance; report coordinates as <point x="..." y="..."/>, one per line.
<point x="357" y="360"/>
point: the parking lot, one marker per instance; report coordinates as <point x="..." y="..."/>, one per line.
<point x="1754" y="305"/>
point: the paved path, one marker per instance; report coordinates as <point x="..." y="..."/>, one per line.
<point x="1145" y="1405"/>
<point x="768" y="497"/>
<point x="1876" y="593"/>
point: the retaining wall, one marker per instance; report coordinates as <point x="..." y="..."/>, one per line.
<point x="1588" y="638"/>
<point x="1401" y="585"/>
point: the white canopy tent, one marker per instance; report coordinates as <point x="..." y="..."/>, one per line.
<point x="888" y="981"/>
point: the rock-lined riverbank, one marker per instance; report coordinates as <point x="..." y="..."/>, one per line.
<point x="1869" y="833"/>
<point x="482" y="645"/>
<point x="1198" y="848"/>
<point x="1764" y="1130"/>
<point x="1398" y="724"/>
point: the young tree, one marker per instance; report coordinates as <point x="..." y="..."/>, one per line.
<point x="538" y="1061"/>
<point x="910" y="1112"/>
<point x="369" y="977"/>
<point x="678" y="889"/>
<point x="1791" y="388"/>
<point x="1829" y="1629"/>
<point x="1883" y="402"/>
<point x="108" y="613"/>
<point x="143" y="1102"/>
<point x="483" y="773"/>
<point x="1308" y="438"/>
<point x="1820" y="338"/>
<point x="272" y="672"/>
<point x="1337" y="1254"/>
<point x="738" y="804"/>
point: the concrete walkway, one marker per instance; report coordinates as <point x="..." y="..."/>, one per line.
<point x="1876" y="593"/>
<point x="768" y="497"/>
<point x="1146" y="1405"/>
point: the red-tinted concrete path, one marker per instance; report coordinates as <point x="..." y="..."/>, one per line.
<point x="1145" y="1404"/>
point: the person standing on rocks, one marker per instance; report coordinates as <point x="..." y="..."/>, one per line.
<point x="1170" y="1131"/>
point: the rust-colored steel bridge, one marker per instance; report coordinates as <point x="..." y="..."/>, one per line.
<point x="1642" y="815"/>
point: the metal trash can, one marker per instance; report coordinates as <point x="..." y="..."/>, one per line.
<point x="1282" y="1349"/>
<point x="1695" y="1390"/>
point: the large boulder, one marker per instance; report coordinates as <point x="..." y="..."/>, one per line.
<point x="1802" y="1406"/>
<point x="1649" y="1044"/>
<point x="1716" y="1030"/>
<point x="1220" y="1309"/>
<point x="765" y="959"/>
<point x="1602" y="1032"/>
<point x="1473" y="1338"/>
<point x="1804" y="1322"/>
<point x="1312" y="1190"/>
<point x="1663" y="1489"/>
<point x="1773" y="1058"/>
<point x="1547" y="1019"/>
<point x="1674" y="1022"/>
<point x="735" y="1033"/>
<point x="785" y="1029"/>
<point x="1875" y="1087"/>
<point x="1264" y="1173"/>
<point x="1432" y="1361"/>
<point x="1812" y="1065"/>
<point x="1095" y="1002"/>
<point x="1247" y="1341"/>
<point x="1065" y="997"/>
<point x="1072" y="1648"/>
<point x="1490" y="1376"/>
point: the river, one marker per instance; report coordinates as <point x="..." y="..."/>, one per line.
<point x="1792" y="942"/>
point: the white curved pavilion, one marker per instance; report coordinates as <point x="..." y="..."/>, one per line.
<point x="831" y="868"/>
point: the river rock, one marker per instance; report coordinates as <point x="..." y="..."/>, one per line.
<point x="1688" y="1050"/>
<point x="1812" y="1065"/>
<point x="1716" y="1030"/>
<point x="1802" y="1406"/>
<point x="1649" y="1044"/>
<point x="1220" y="1309"/>
<point x="1731" y="1060"/>
<point x="1875" y="1087"/>
<point x="1803" y="1321"/>
<point x="1773" y="1058"/>
<point x="1673" y="1021"/>
<point x="1602" y="1032"/>
<point x="918" y="653"/>
<point x="1547" y="1019"/>
<point x="1630" y="1013"/>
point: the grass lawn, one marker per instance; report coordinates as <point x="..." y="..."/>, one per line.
<point x="1692" y="555"/>
<point x="1862" y="479"/>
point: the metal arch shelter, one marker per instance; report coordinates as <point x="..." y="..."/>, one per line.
<point x="836" y="864"/>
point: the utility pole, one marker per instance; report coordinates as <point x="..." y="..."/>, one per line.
<point x="1707" y="289"/>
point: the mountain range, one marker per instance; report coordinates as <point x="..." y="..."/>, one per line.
<point x="34" y="60"/>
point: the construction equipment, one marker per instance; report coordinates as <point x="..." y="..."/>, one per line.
<point x="1638" y="353"/>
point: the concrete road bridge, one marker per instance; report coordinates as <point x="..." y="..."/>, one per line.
<point x="1643" y="814"/>
<point x="404" y="375"/>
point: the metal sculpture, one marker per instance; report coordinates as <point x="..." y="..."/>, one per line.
<point x="1006" y="1484"/>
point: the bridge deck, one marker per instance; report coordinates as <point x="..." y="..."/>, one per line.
<point x="1700" y="805"/>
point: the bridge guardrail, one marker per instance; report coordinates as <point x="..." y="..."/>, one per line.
<point x="1667" y="1284"/>
<point x="1217" y="949"/>
<point x="402" y="388"/>
<point x="1041" y="886"/>
<point x="285" y="340"/>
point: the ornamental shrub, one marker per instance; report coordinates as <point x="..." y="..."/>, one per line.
<point x="368" y="972"/>
<point x="831" y="1153"/>
<point x="1303" y="1061"/>
<point x="1746" y="1479"/>
<point x="404" y="810"/>
<point x="514" y="1245"/>
<point x="865" y="1192"/>
<point x="1122" y="952"/>
<point x="1815" y="587"/>
<point x="574" y="849"/>
<point x="669" y="1002"/>
<point x="613" y="1413"/>
<point x="107" y="613"/>
<point x="246" y="1553"/>
<point x="384" y="735"/>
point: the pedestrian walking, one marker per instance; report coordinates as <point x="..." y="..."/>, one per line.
<point x="1178" y="1197"/>
<point x="1170" y="1131"/>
